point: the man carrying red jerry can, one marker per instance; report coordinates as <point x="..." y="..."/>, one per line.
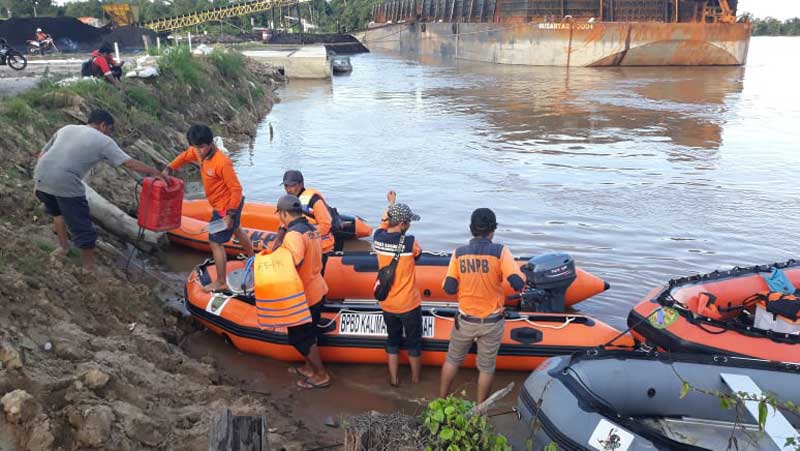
<point x="62" y="164"/>
<point x="224" y="193"/>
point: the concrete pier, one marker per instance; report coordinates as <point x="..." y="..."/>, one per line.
<point x="303" y="62"/>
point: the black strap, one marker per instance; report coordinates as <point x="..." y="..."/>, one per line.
<point x="400" y="248"/>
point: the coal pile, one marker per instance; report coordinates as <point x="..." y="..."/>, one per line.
<point x="70" y="34"/>
<point x="130" y="37"/>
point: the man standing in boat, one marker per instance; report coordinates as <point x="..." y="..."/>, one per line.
<point x="223" y="192"/>
<point x="314" y="208"/>
<point x="303" y="241"/>
<point x="476" y="276"/>
<point x="401" y="308"/>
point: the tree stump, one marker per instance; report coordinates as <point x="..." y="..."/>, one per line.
<point x="237" y="433"/>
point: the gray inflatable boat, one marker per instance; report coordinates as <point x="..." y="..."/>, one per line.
<point x="630" y="400"/>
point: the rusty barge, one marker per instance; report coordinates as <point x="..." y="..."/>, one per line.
<point x="564" y="32"/>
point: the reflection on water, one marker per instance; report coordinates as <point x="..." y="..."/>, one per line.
<point x="640" y="173"/>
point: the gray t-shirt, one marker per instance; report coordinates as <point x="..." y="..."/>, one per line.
<point x="68" y="157"/>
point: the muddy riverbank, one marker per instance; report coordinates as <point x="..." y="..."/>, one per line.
<point x="96" y="361"/>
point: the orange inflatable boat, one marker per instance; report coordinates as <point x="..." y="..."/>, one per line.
<point x="351" y="275"/>
<point x="733" y="312"/>
<point x="355" y="332"/>
<point x="259" y="221"/>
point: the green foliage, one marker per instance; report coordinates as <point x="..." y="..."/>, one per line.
<point x="448" y="427"/>
<point x="728" y="401"/>
<point x="179" y="63"/>
<point x="771" y="26"/>
<point x="229" y="63"/>
<point x="144" y="100"/>
<point x="16" y="109"/>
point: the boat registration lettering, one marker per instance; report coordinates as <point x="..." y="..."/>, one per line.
<point x="566" y="26"/>
<point x="372" y="324"/>
<point x="607" y="436"/>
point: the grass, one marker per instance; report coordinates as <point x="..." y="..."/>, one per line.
<point x="144" y="100"/>
<point x="17" y="109"/>
<point x="178" y="63"/>
<point x="230" y="65"/>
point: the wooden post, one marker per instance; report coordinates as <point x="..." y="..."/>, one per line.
<point x="146" y="41"/>
<point x="237" y="433"/>
<point x="299" y="23"/>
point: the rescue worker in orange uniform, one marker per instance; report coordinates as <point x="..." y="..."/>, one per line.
<point x="302" y="239"/>
<point x="314" y="208"/>
<point x="104" y="65"/>
<point x="401" y="308"/>
<point x="476" y="274"/>
<point x="223" y="192"/>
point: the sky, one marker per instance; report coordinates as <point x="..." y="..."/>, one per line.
<point x="779" y="9"/>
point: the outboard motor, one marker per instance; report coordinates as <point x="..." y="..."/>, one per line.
<point x="547" y="278"/>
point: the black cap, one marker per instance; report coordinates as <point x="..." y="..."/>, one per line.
<point x="292" y="177"/>
<point x="288" y="203"/>
<point x="483" y="219"/>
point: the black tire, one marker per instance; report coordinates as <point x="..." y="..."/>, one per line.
<point x="16" y="60"/>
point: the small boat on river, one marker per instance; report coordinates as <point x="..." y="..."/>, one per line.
<point x="354" y="332"/>
<point x="341" y="65"/>
<point x="259" y="221"/>
<point x="732" y="312"/>
<point x="633" y="400"/>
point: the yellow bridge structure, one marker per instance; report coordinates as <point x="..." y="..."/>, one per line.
<point x="217" y="14"/>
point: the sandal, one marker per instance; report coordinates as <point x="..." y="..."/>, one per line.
<point x="307" y="384"/>
<point x="298" y="371"/>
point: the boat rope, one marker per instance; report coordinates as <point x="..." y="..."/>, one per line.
<point x="566" y="322"/>
<point x="338" y="314"/>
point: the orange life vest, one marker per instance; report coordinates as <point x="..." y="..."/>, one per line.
<point x="308" y="198"/>
<point x="280" y="298"/>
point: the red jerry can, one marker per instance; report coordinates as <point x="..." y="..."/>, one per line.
<point x="160" y="204"/>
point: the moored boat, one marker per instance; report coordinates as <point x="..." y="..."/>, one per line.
<point x="351" y="275"/>
<point x="259" y="221"/>
<point x="354" y="332"/>
<point x="725" y="312"/>
<point x="632" y="400"/>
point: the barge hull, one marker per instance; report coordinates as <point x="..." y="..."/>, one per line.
<point x="569" y="44"/>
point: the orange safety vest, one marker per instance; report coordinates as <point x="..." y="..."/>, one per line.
<point x="306" y="198"/>
<point x="280" y="298"/>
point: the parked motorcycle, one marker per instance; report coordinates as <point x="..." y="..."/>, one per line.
<point x="11" y="58"/>
<point x="46" y="46"/>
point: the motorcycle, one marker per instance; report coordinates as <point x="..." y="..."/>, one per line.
<point x="48" y="45"/>
<point x="11" y="58"/>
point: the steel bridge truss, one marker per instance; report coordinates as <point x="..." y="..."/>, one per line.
<point x="217" y="14"/>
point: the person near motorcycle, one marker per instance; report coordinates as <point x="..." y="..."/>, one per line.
<point x="104" y="65"/>
<point x="41" y="42"/>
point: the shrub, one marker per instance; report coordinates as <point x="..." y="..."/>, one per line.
<point x="449" y="428"/>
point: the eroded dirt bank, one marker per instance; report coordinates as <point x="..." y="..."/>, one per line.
<point x="95" y="361"/>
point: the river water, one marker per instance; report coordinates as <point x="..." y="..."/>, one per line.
<point x="641" y="174"/>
